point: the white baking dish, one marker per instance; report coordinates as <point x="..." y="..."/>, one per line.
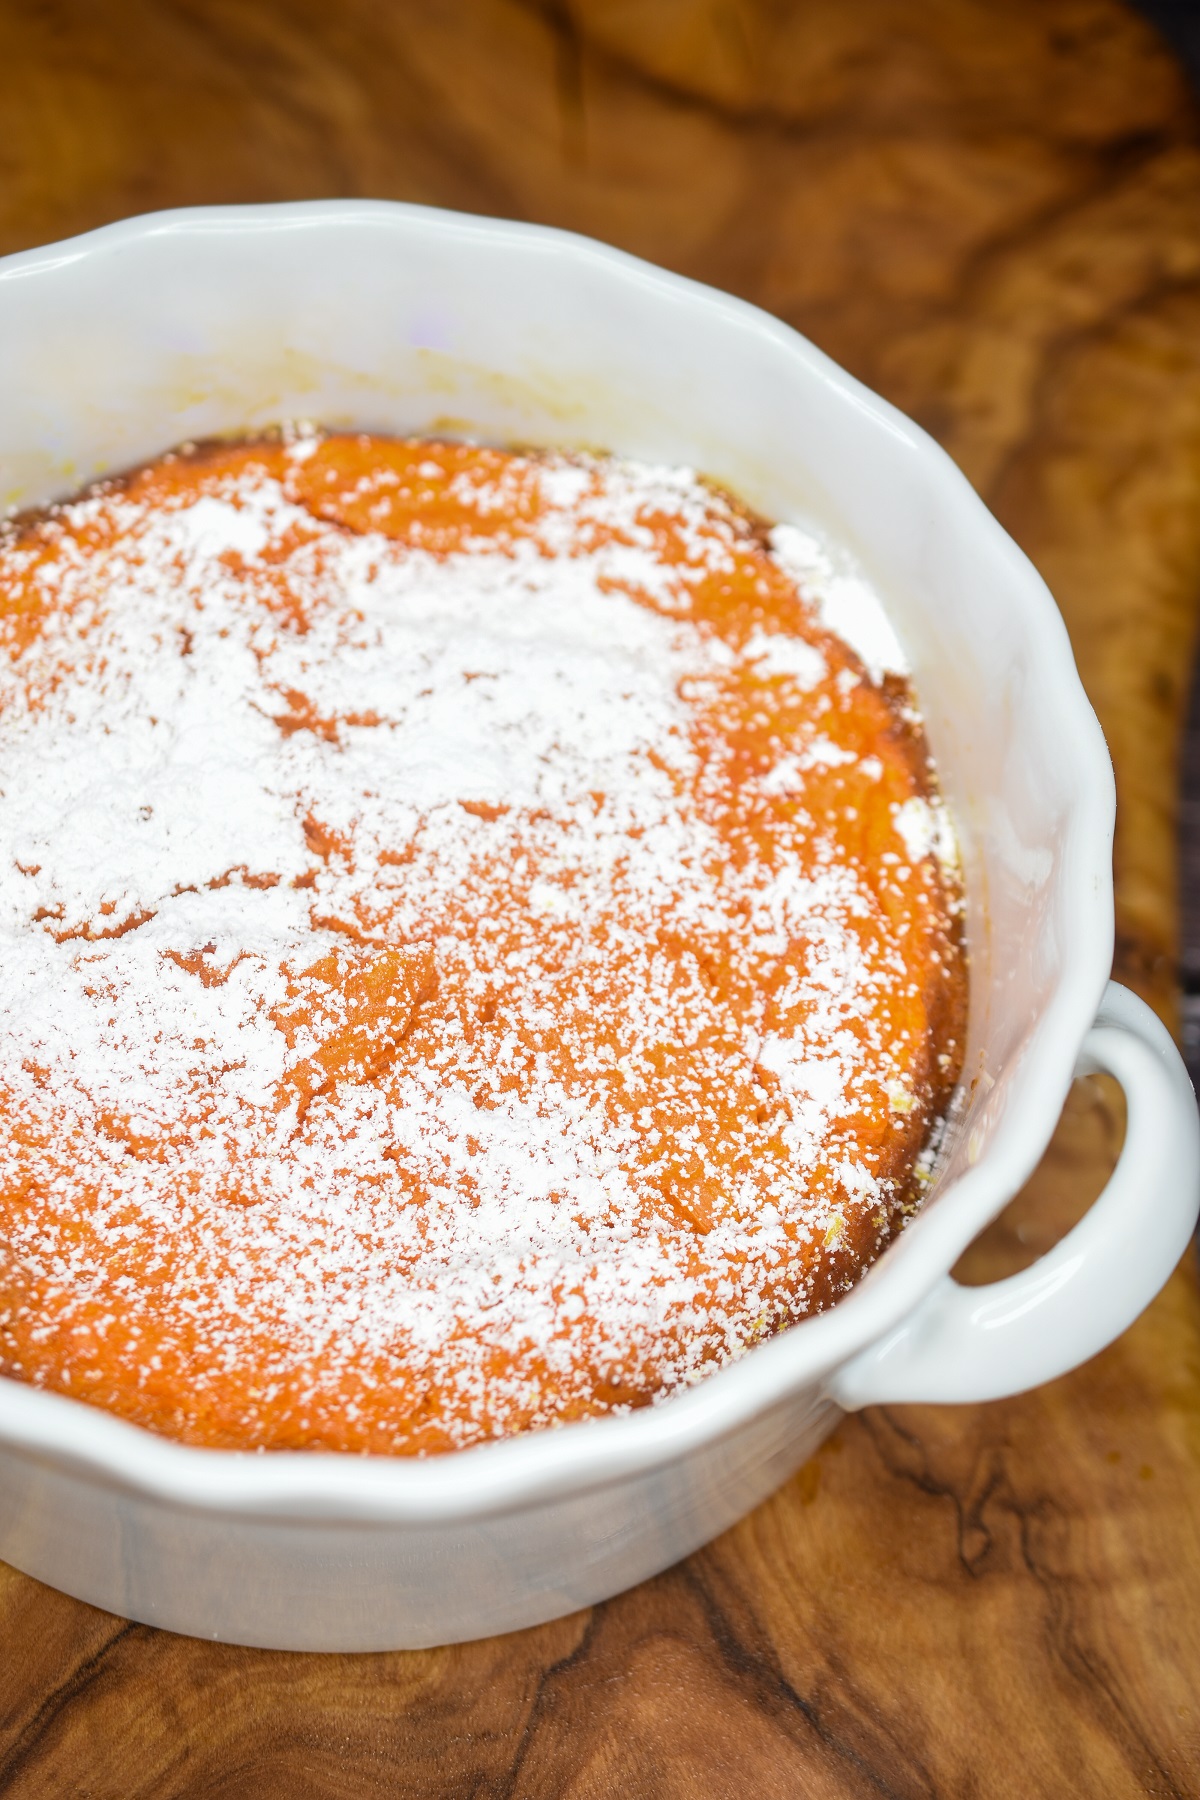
<point x="118" y="344"/>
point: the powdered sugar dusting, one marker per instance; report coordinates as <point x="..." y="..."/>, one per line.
<point x="845" y="602"/>
<point x="440" y="998"/>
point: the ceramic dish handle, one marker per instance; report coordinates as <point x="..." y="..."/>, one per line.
<point x="979" y="1343"/>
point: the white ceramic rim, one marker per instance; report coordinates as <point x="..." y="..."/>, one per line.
<point x="491" y="1479"/>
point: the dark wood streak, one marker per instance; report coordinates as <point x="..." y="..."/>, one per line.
<point x="991" y="214"/>
<point x="751" y="1659"/>
<point x="1041" y="1523"/>
<point x="22" y="1749"/>
<point x="903" y="1453"/>
<point x="1097" y="1681"/>
<point x="543" y="1703"/>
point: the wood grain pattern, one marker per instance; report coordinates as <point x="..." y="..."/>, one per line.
<point x="993" y="215"/>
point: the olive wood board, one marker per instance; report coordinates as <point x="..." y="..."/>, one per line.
<point x="991" y="213"/>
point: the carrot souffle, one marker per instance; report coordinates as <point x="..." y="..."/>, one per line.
<point x="480" y="949"/>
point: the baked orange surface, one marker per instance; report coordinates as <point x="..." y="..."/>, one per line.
<point x="480" y="950"/>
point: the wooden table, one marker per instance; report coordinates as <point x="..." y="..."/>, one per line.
<point x="992" y="214"/>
